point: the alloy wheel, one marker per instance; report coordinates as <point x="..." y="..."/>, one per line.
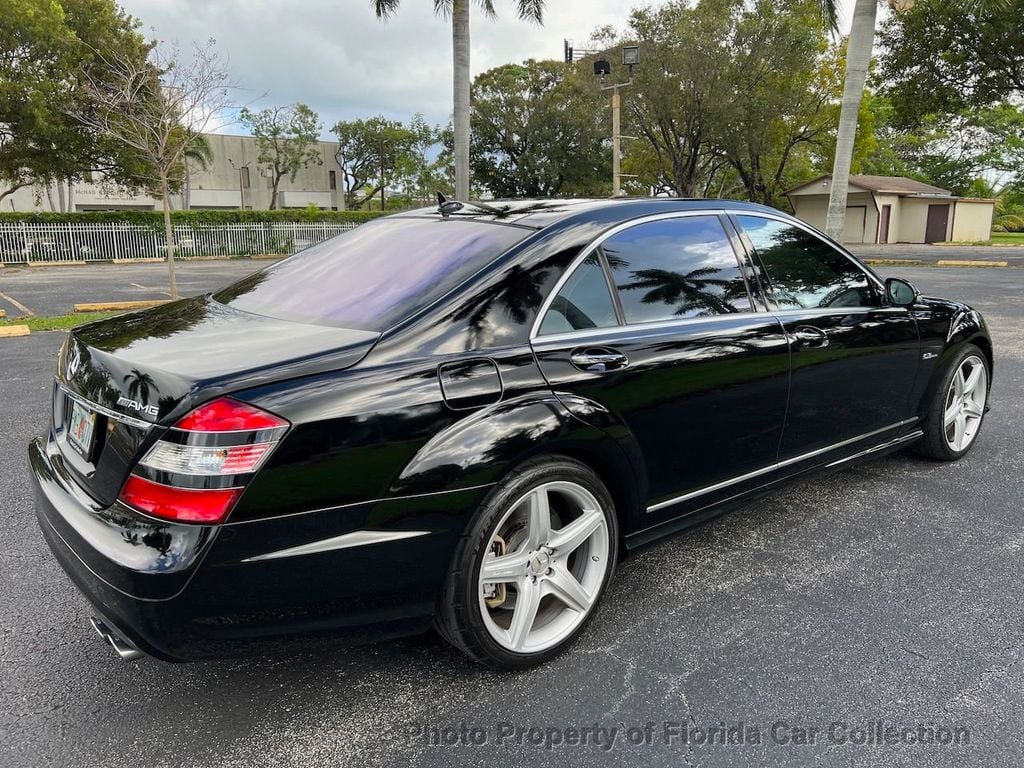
<point x="546" y="561"/>
<point x="965" y="403"/>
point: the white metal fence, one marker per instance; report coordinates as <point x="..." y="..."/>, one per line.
<point x="22" y="243"/>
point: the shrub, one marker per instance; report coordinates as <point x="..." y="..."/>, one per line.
<point x="998" y="228"/>
<point x="1010" y="222"/>
<point x="155" y="218"/>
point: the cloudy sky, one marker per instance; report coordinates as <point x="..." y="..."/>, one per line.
<point x="337" y="57"/>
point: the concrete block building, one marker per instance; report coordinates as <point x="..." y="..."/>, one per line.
<point x="234" y="179"/>
<point x="895" y="209"/>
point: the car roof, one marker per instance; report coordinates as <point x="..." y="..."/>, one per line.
<point x="538" y="214"/>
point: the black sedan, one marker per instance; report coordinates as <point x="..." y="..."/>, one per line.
<point x="462" y="418"/>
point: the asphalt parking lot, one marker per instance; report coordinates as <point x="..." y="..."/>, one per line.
<point x="885" y="593"/>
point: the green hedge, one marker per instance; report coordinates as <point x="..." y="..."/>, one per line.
<point x="156" y="218"/>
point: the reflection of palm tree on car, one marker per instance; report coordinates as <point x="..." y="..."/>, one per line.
<point x="139" y="385"/>
<point x="693" y="292"/>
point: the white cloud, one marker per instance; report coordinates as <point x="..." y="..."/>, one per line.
<point x="338" y="58"/>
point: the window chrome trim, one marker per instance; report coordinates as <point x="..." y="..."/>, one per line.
<point x="585" y="333"/>
<point x="346" y="540"/>
<point x="785" y="463"/>
<point x="111" y="414"/>
<point x="593" y="246"/>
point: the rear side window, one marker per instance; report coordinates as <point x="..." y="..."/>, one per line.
<point x="583" y="302"/>
<point x="805" y="272"/>
<point x="676" y="268"/>
<point x="374" y="276"/>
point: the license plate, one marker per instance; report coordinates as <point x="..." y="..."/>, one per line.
<point x="80" y="428"/>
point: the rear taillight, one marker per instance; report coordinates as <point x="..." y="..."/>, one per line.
<point x="198" y="469"/>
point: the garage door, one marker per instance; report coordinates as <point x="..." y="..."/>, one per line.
<point x="853" y="230"/>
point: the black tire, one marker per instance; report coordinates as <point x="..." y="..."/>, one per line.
<point x="933" y="444"/>
<point x="458" y="616"/>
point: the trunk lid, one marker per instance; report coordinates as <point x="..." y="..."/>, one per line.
<point x="121" y="381"/>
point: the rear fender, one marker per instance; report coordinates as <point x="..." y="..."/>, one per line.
<point x="484" y="447"/>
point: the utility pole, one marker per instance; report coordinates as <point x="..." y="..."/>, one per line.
<point x="383" y="181"/>
<point x="630" y="58"/>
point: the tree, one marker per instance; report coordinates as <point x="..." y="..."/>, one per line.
<point x="287" y="141"/>
<point x="458" y="11"/>
<point x="858" y="59"/>
<point x="158" y="108"/>
<point x="538" y="131"/>
<point x="981" y="61"/>
<point x="785" y="79"/>
<point x="370" y="151"/>
<point x="48" y="49"/>
<point x="199" y="155"/>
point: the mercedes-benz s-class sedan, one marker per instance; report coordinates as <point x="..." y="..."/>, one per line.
<point x="461" y="418"/>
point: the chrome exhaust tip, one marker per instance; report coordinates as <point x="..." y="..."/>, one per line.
<point x="124" y="649"/>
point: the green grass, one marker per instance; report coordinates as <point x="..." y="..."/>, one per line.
<point x="57" y="322"/>
<point x="1008" y="238"/>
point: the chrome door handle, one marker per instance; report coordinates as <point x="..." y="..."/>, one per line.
<point x="598" y="360"/>
<point x="810" y="336"/>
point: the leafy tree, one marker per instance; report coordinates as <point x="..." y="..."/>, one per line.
<point x="858" y="59"/>
<point x="199" y="155"/>
<point x="372" y="151"/>
<point x="157" y="109"/>
<point x="458" y="12"/>
<point x="538" y="131"/>
<point x="286" y="138"/>
<point x="784" y="79"/>
<point x="943" y="57"/>
<point x="48" y="50"/>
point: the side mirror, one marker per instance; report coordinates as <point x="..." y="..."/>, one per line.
<point x="900" y="293"/>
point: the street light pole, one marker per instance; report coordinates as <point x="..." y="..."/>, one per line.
<point x="616" y="144"/>
<point x="630" y="58"/>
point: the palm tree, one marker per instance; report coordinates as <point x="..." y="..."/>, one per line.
<point x="458" y="11"/>
<point x="199" y="153"/>
<point x="858" y="58"/>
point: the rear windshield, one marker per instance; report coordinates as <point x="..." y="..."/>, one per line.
<point x="375" y="275"/>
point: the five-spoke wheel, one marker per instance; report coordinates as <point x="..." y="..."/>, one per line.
<point x="533" y="567"/>
<point x="965" y="403"/>
<point x="956" y="409"/>
<point x="546" y="562"/>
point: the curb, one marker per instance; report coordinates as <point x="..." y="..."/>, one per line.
<point x="7" y="331"/>
<point x="147" y="260"/>
<point x="895" y="262"/>
<point x="71" y="263"/>
<point x="109" y="306"/>
<point x="970" y="263"/>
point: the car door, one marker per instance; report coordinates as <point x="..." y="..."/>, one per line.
<point x="652" y="336"/>
<point x="854" y="359"/>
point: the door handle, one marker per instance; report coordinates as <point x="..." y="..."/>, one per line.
<point x="811" y="337"/>
<point x="598" y="360"/>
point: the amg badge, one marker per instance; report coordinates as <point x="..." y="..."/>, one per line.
<point x="135" y="405"/>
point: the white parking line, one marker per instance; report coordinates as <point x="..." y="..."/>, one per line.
<point x="136" y="285"/>
<point x="17" y="304"/>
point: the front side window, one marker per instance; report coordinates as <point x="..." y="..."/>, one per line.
<point x="583" y="302"/>
<point x="676" y="268"/>
<point x="805" y="272"/>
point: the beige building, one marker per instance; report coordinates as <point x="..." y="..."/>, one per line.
<point x="895" y="209"/>
<point x="234" y="179"/>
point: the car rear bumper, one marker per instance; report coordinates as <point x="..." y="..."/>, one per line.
<point x="187" y="592"/>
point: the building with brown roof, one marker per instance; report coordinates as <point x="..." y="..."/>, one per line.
<point x="895" y="209"/>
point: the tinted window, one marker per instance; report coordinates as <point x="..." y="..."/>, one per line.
<point x="805" y="271"/>
<point x="583" y="302"/>
<point x="375" y="275"/>
<point x="676" y="268"/>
